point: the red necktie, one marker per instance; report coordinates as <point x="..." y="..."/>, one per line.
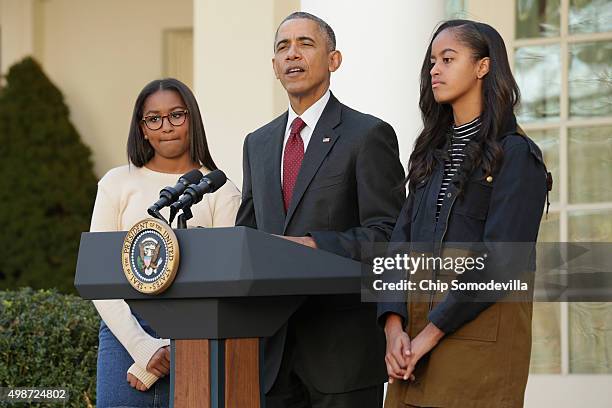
<point x="292" y="161"/>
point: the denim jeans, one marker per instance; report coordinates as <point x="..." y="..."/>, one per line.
<point x="112" y="388"/>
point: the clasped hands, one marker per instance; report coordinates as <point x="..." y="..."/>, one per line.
<point x="402" y="354"/>
<point x="159" y="364"/>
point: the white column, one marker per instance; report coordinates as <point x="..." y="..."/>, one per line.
<point x="383" y="44"/>
<point x="17" y="22"/>
<point x="233" y="77"/>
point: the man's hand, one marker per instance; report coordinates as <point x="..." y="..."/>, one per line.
<point x="308" y="241"/>
<point x="159" y="364"/>
<point x="398" y="348"/>
<point x="136" y="383"/>
<point x="422" y="344"/>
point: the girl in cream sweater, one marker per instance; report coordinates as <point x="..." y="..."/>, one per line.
<point x="166" y="140"/>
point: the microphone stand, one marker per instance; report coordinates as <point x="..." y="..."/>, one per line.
<point x="154" y="212"/>
<point x="181" y="222"/>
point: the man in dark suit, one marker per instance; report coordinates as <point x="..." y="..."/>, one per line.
<point x="326" y="176"/>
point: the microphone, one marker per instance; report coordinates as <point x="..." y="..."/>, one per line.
<point x="194" y="193"/>
<point x="170" y="194"/>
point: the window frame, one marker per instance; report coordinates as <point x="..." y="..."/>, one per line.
<point x="563" y="124"/>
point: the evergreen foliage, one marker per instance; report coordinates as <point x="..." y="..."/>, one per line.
<point x="47" y="184"/>
<point x="49" y="340"/>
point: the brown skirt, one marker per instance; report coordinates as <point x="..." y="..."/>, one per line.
<point x="484" y="364"/>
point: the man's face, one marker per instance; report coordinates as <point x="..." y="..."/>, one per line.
<point x="302" y="61"/>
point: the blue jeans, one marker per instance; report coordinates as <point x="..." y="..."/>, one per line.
<point x="112" y="388"/>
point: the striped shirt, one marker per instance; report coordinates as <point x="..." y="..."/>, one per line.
<point x="460" y="137"/>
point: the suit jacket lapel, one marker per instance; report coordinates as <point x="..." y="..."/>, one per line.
<point x="316" y="151"/>
<point x="271" y="152"/>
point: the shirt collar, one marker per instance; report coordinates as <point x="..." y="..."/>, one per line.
<point x="311" y="115"/>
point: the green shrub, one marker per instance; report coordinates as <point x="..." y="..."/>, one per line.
<point x="47" y="185"/>
<point x="48" y="339"/>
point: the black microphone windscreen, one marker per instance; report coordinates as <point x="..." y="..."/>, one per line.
<point x="193" y="177"/>
<point x="217" y="178"/>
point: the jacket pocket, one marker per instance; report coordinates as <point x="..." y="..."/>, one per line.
<point x="475" y="200"/>
<point x="327" y="181"/>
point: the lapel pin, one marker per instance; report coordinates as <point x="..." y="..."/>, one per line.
<point x="326" y="139"/>
<point x="489" y="179"/>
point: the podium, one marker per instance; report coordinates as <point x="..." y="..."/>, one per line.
<point x="233" y="287"/>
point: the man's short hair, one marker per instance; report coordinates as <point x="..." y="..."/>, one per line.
<point x="323" y="26"/>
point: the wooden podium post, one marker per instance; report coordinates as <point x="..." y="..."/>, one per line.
<point x="242" y="373"/>
<point x="216" y="373"/>
<point x="190" y="374"/>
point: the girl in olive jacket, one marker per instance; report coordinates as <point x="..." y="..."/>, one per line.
<point x="473" y="177"/>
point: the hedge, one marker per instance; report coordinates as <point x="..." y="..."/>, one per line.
<point x="48" y="339"/>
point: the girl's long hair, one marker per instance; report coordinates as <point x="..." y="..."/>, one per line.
<point x="140" y="150"/>
<point x="500" y="96"/>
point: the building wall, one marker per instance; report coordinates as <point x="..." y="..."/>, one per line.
<point x="99" y="53"/>
<point x="234" y="80"/>
<point x="16" y="31"/>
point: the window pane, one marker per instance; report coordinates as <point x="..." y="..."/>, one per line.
<point x="537" y="18"/>
<point x="590" y="324"/>
<point x="590" y="164"/>
<point x="590" y="342"/>
<point x="549" y="228"/>
<point x="538" y="74"/>
<point x="548" y="141"/>
<point x="590" y="16"/>
<point x="546" y="329"/>
<point x="590" y="79"/>
<point x="590" y="226"/>
<point x="546" y="343"/>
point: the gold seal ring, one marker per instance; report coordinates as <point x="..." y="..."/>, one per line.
<point x="150" y="256"/>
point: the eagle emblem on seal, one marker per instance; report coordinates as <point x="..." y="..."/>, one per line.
<point x="148" y="259"/>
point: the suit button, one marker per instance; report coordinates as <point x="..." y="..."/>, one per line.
<point x="449" y="194"/>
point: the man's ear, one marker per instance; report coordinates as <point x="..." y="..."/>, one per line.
<point x="335" y="59"/>
<point x="483" y="67"/>
<point x="274" y="68"/>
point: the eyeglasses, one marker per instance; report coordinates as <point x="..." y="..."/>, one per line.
<point x="155" y="122"/>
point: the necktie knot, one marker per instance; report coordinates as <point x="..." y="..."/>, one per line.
<point x="297" y="125"/>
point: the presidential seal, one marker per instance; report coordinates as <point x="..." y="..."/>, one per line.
<point x="150" y="256"/>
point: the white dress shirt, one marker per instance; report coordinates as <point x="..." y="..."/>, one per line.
<point x="310" y="117"/>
